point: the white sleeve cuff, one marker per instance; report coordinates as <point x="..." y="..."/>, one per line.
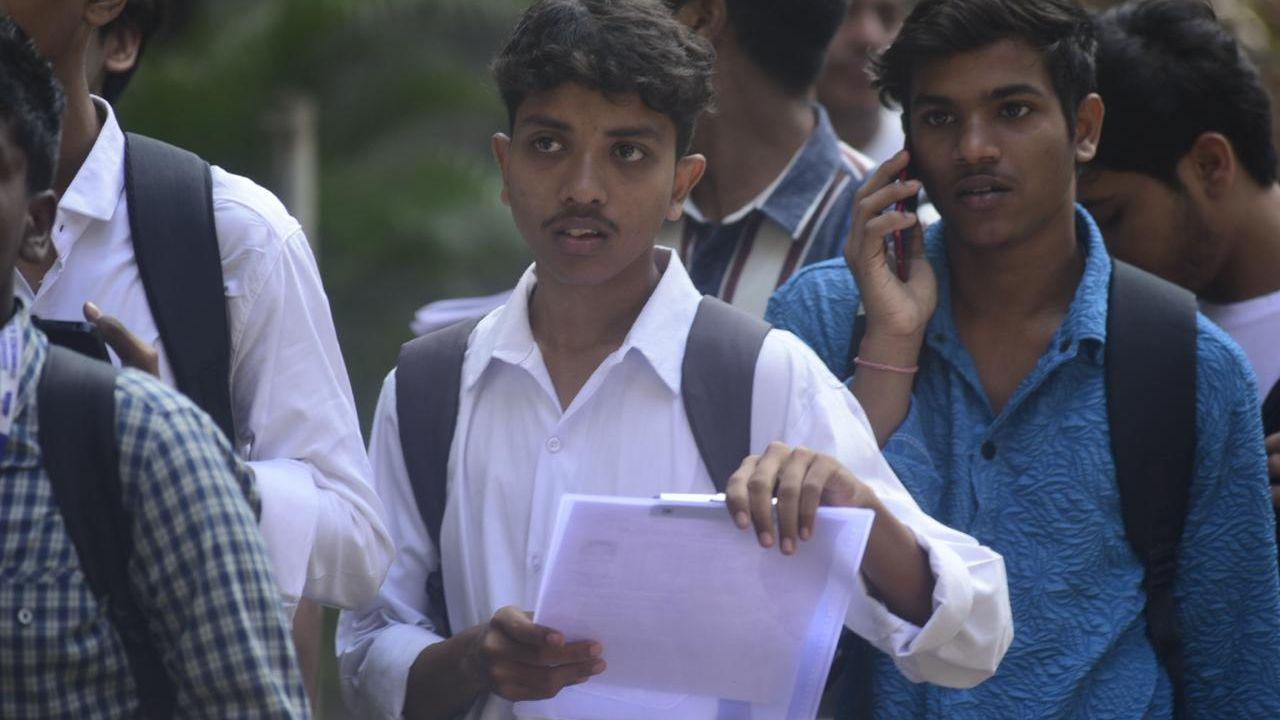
<point x="288" y="522"/>
<point x="904" y="641"/>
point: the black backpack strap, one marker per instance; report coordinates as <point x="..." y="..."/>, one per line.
<point x="1271" y="411"/>
<point x="170" y="197"/>
<point x="717" y="382"/>
<point x="428" y="382"/>
<point x="77" y="415"/>
<point x="1151" y="407"/>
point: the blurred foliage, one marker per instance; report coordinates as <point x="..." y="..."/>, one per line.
<point x="409" y="208"/>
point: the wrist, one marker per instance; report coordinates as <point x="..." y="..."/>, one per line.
<point x="889" y="349"/>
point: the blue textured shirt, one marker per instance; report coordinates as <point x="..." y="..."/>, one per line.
<point x="1037" y="484"/>
<point x="198" y="571"/>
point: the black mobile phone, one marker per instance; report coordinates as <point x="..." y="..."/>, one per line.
<point x="79" y="336"/>
<point x="911" y="205"/>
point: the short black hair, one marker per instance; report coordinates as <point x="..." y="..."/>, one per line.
<point x="1170" y="72"/>
<point x="31" y="104"/>
<point x="614" y="46"/>
<point x="787" y="39"/>
<point x="1061" y="29"/>
<point x="145" y="15"/>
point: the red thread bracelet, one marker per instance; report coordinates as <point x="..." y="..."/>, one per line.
<point x="887" y="368"/>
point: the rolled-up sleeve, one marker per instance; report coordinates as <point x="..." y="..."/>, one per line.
<point x="293" y="408"/>
<point x="971" y="627"/>
<point x="378" y="643"/>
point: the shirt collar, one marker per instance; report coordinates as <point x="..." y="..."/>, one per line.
<point x="659" y="334"/>
<point x="1086" y="317"/>
<point x="795" y="194"/>
<point x="95" y="191"/>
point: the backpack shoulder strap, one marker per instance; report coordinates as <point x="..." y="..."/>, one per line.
<point x="76" y="418"/>
<point x="717" y="382"/>
<point x="1271" y="410"/>
<point x="428" y="382"/>
<point x="170" y="197"/>
<point x="1151" y="409"/>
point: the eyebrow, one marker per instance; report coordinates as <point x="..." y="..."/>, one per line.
<point x="545" y="121"/>
<point x="1000" y="93"/>
<point x="635" y="131"/>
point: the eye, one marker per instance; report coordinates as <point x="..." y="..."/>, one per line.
<point x="938" y="118"/>
<point x="629" y="153"/>
<point x="544" y="144"/>
<point x="1013" y="111"/>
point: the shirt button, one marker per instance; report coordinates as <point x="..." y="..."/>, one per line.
<point x="988" y="450"/>
<point x="25" y="617"/>
<point x="554" y="444"/>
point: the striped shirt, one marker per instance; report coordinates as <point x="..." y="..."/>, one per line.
<point x="198" y="570"/>
<point x="800" y="219"/>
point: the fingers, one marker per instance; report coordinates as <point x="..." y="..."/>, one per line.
<point x="131" y="350"/>
<point x="736" y="495"/>
<point x="790" y="483"/>
<point x="517" y="625"/>
<point x="526" y="661"/>
<point x="527" y="682"/>
<point x="884" y="175"/>
<point x="760" y="491"/>
<point x="821" y="472"/>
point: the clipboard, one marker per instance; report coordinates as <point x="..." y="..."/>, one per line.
<point x="695" y="618"/>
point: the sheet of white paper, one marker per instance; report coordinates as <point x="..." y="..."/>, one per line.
<point x="696" y="619"/>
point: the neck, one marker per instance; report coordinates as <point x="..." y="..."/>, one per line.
<point x="80" y="124"/>
<point x="1252" y="268"/>
<point x="1019" y="281"/>
<point x="857" y="126"/>
<point x="574" y="319"/>
<point x="748" y="140"/>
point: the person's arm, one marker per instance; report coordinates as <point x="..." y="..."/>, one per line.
<point x="933" y="599"/>
<point x="393" y="664"/>
<point x="1227" y="589"/>
<point x="198" y="568"/>
<point x="897" y="311"/>
<point x="295" y="415"/>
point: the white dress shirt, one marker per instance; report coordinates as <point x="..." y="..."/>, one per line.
<point x="515" y="453"/>
<point x="290" y="397"/>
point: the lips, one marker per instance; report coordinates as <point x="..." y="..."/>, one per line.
<point x="580" y="235"/>
<point x="981" y="192"/>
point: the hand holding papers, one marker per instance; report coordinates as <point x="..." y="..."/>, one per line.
<point x="696" y="620"/>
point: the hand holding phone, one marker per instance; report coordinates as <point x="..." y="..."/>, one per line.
<point x="908" y="205"/>
<point x="81" y="337"/>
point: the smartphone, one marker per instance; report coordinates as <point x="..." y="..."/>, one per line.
<point x="911" y="205"/>
<point x="82" y="337"/>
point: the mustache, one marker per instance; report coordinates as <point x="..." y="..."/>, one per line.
<point x="589" y="212"/>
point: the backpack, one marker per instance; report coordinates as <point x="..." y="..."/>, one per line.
<point x="716" y="386"/>
<point x="76" y="411"/>
<point x="170" y="196"/>
<point x="1151" y="410"/>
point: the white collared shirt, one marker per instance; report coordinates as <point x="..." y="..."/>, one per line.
<point x="515" y="453"/>
<point x="290" y="396"/>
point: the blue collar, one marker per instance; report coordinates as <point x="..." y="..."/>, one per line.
<point x="801" y="188"/>
<point x="1086" y="318"/>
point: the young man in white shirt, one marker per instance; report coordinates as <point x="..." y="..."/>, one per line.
<point x="290" y="398"/>
<point x="575" y="385"/>
<point x="1185" y="184"/>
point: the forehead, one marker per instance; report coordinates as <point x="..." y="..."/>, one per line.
<point x="579" y="109"/>
<point x="974" y="75"/>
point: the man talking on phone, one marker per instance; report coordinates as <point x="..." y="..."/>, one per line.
<point x="1072" y="412"/>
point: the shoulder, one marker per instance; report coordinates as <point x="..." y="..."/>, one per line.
<point x="152" y="417"/>
<point x="248" y="216"/>
<point x="789" y="366"/>
<point x="1224" y="377"/>
<point x="816" y="291"/>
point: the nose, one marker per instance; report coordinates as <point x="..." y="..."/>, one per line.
<point x="584" y="182"/>
<point x="976" y="144"/>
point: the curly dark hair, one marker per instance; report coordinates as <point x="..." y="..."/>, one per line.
<point x="31" y="104"/>
<point x="1169" y="73"/>
<point x="615" y="46"/>
<point x="1061" y="29"/>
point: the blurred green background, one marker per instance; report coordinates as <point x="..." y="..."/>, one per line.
<point x="404" y="208"/>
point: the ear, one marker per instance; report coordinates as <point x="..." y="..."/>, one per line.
<point x="708" y="18"/>
<point x="501" y="144"/>
<point x="100" y="13"/>
<point x="1089" y="116"/>
<point x="120" y="48"/>
<point x="689" y="171"/>
<point x="36" y="242"/>
<point x="1210" y="165"/>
